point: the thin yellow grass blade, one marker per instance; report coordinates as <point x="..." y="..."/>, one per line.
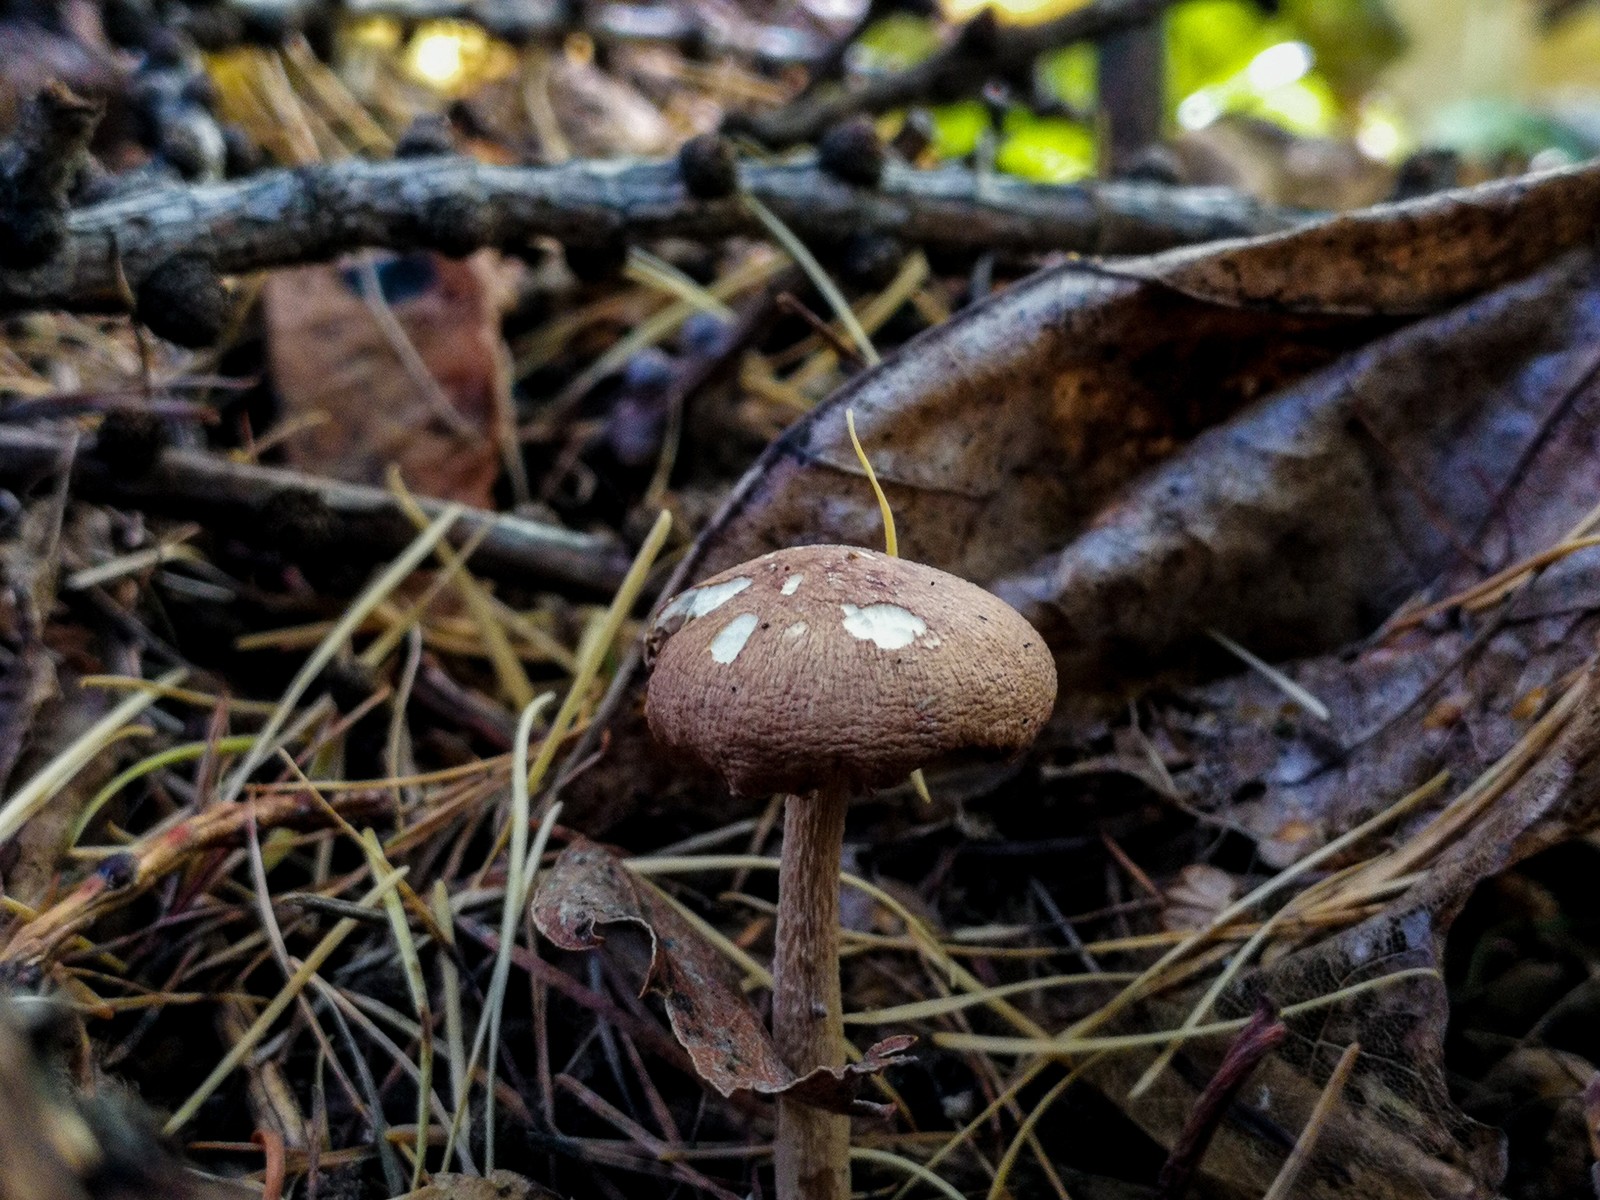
<point x="515" y="899"/>
<point x="454" y="1027"/>
<point x="1272" y="675"/>
<point x="1283" y="1186"/>
<point x="941" y="1006"/>
<point x="796" y="249"/>
<point x="187" y="752"/>
<point x="597" y="643"/>
<point x="1002" y="1170"/>
<point x="1068" y="1046"/>
<point x="411" y="967"/>
<point x="508" y="670"/>
<point x="55" y="774"/>
<point x="916" y="1170"/>
<point x="891" y="541"/>
<point x="644" y="267"/>
<point x="408" y="561"/>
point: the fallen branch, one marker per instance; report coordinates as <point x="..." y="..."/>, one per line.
<point x="1255" y="1041"/>
<point x="455" y="205"/>
<point x="321" y="516"/>
<point x="982" y="50"/>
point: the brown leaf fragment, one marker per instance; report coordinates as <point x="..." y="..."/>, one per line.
<point x="1455" y="693"/>
<point x="1296" y="524"/>
<point x="497" y="1185"/>
<point x="392" y="359"/>
<point x="589" y="888"/>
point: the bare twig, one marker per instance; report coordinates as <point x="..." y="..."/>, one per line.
<point x="1255" y="1041"/>
<point x="151" y="858"/>
<point x="312" y="214"/>
<point x="364" y="523"/>
<point x="981" y="51"/>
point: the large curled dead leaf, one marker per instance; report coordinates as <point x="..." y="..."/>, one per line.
<point x="1133" y="455"/>
<point x="1006" y="437"/>
<point x="589" y="888"/>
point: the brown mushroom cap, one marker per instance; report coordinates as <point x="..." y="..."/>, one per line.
<point x="834" y="666"/>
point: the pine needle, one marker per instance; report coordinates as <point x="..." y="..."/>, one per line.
<point x="891" y="547"/>
<point x="1272" y="675"/>
<point x="796" y="249"/>
<point x="940" y="1006"/>
<point x="916" y="1170"/>
<point x="1068" y="1046"/>
<point x="515" y="899"/>
<point x="508" y="670"/>
<point x="1008" y="1160"/>
<point x="454" y="1026"/>
<point x="297" y="983"/>
<point x="59" y="771"/>
<point x="187" y="752"/>
<point x="1283" y="1186"/>
<point x="408" y="561"/>
<point x="891" y="540"/>
<point x="411" y="968"/>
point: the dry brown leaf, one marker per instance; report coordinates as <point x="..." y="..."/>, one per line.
<point x="1456" y="694"/>
<point x="419" y="386"/>
<point x="588" y="888"/>
<point x="1298" y="524"/>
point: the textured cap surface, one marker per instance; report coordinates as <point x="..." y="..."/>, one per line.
<point x="824" y="666"/>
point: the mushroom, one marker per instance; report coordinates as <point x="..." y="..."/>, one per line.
<point x="821" y="671"/>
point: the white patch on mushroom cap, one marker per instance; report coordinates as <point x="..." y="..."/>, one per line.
<point x="697" y="602"/>
<point x="795" y="630"/>
<point x="791" y="585"/>
<point x="887" y="626"/>
<point x="731" y="638"/>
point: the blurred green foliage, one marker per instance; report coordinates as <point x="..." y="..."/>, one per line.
<point x="1044" y="148"/>
<point x="1492" y="127"/>
<point x="1313" y="67"/>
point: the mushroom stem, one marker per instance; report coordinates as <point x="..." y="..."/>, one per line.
<point x="812" y="1151"/>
